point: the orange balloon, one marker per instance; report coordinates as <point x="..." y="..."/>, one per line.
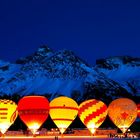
<point x="123" y="113"/>
<point x="92" y="113"/>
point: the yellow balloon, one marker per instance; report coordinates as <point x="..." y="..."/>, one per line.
<point x="123" y="113"/>
<point x="63" y="110"/>
<point x="8" y="114"/>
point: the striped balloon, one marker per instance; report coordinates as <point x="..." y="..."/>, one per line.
<point x="8" y="114"/>
<point x="63" y="111"/>
<point x="92" y="113"/>
<point x="138" y="107"/>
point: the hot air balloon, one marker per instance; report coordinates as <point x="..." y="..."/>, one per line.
<point x="63" y="110"/>
<point x="92" y="113"/>
<point x="8" y="114"/>
<point x="123" y="113"/>
<point x="33" y="111"/>
<point x="138" y="107"/>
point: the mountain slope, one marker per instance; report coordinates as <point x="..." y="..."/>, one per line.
<point x="53" y="74"/>
<point x="123" y="70"/>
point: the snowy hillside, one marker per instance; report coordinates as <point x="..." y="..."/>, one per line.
<point x="125" y="70"/>
<point x="53" y="74"/>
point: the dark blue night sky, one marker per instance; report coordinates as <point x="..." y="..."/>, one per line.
<point x="91" y="28"/>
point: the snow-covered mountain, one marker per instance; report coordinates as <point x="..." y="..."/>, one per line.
<point x="124" y="70"/>
<point x="58" y="73"/>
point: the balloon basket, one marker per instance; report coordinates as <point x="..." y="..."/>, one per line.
<point x="2" y="136"/>
<point x="34" y="135"/>
<point x="62" y="135"/>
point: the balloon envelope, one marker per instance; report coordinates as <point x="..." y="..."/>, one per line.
<point x="33" y="111"/>
<point x="92" y="113"/>
<point x="8" y="114"/>
<point x="123" y="113"/>
<point x="63" y="111"/>
<point x="138" y="107"/>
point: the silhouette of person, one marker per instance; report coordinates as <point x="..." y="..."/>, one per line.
<point x="56" y="138"/>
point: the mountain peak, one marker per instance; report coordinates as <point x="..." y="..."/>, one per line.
<point x="66" y="55"/>
<point x="43" y="50"/>
<point x="117" y="61"/>
<point x="42" y="53"/>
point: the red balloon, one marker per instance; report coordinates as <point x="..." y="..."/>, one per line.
<point x="33" y="111"/>
<point x="138" y="107"/>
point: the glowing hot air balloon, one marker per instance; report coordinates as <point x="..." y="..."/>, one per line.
<point x="92" y="113"/>
<point x="138" y="107"/>
<point x="123" y="113"/>
<point x="8" y="114"/>
<point x="33" y="111"/>
<point x="63" y="111"/>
